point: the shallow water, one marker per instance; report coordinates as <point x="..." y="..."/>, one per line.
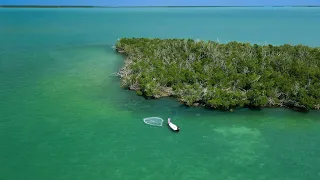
<point x="64" y="116"/>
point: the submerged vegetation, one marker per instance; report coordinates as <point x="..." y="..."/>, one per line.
<point x="223" y="76"/>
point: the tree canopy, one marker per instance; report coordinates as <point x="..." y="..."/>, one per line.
<point x="222" y="76"/>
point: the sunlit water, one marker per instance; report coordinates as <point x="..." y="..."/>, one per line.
<point x="64" y="116"/>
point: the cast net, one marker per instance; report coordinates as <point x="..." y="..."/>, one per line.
<point x="153" y="121"/>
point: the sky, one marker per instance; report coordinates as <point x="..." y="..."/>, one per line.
<point x="163" y="2"/>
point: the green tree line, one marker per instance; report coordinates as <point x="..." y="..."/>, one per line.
<point x="222" y="76"/>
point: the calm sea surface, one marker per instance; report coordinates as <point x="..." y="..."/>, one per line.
<point x="64" y="117"/>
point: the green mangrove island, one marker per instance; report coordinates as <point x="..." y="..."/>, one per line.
<point x="222" y="76"/>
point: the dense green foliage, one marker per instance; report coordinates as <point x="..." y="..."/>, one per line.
<point x="222" y="76"/>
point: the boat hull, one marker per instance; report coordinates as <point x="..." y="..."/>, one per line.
<point x="173" y="127"/>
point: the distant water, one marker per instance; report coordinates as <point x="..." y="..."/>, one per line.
<point x="63" y="116"/>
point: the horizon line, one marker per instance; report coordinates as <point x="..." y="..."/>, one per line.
<point x="89" y="6"/>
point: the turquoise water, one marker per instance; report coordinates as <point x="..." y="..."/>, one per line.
<point x="64" y="116"/>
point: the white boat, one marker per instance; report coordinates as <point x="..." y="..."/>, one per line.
<point x="173" y="126"/>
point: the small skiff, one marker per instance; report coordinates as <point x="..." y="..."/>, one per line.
<point x="173" y="126"/>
